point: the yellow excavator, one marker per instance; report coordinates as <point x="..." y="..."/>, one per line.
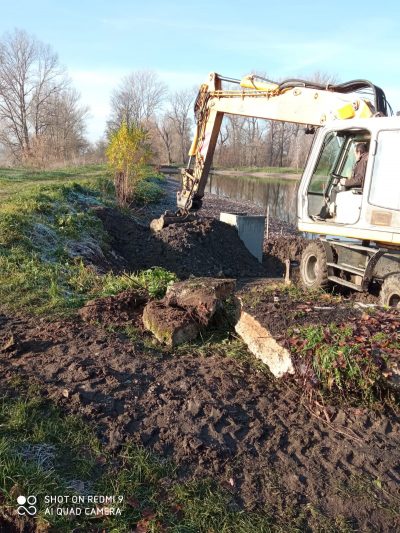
<point x="358" y="235"/>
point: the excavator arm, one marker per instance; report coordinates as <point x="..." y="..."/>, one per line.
<point x="291" y="101"/>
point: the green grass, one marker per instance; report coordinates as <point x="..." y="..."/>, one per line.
<point x="41" y="224"/>
<point x="147" y="192"/>
<point x="154" y="281"/>
<point x="45" y="452"/>
<point x="15" y="180"/>
<point x="343" y="368"/>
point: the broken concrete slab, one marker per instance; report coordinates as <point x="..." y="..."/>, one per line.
<point x="170" y="325"/>
<point x="262" y="344"/>
<point x="201" y="296"/>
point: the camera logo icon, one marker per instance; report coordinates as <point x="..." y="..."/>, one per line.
<point x="27" y="505"/>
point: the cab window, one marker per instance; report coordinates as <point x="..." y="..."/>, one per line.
<point x="349" y="160"/>
<point x="326" y="163"/>
<point x="336" y="160"/>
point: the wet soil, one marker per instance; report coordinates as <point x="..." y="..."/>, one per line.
<point x="203" y="247"/>
<point x="279" y="311"/>
<point x="118" y="310"/>
<point x="283" y="240"/>
<point x="215" y="417"/>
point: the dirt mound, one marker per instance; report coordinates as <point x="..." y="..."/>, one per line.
<point x="210" y="247"/>
<point x="279" y="248"/>
<point x="204" y="247"/>
<point x="216" y="417"/>
<point x="118" y="310"/>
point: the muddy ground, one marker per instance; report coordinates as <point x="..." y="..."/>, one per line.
<point x="213" y="416"/>
<point x="203" y="247"/>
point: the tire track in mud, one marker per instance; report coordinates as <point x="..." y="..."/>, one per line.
<point x="215" y="417"/>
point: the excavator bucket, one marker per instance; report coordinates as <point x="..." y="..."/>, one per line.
<point x="168" y="218"/>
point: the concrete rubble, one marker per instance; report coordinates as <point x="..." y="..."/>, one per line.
<point x="170" y="325"/>
<point x="190" y="305"/>
<point x="262" y="344"/>
<point x="187" y="306"/>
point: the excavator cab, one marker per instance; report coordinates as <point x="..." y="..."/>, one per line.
<point x="368" y="214"/>
<point x="327" y="199"/>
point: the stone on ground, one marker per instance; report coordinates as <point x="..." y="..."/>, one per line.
<point x="200" y="296"/>
<point x="261" y="343"/>
<point x="170" y="325"/>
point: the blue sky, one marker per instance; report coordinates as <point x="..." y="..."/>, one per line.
<point x="101" y="41"/>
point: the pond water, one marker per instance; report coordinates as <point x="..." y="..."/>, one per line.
<point x="278" y="194"/>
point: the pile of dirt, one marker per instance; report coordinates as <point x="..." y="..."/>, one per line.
<point x="216" y="417"/>
<point x="212" y="207"/>
<point x="278" y="248"/>
<point x="203" y="247"/>
<point x="125" y="307"/>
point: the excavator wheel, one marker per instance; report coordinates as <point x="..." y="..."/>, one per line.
<point x="390" y="292"/>
<point x="313" y="266"/>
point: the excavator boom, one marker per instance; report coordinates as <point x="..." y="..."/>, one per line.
<point x="291" y="101"/>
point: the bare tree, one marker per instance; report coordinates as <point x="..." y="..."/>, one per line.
<point x="137" y="99"/>
<point x="41" y="119"/>
<point x="30" y="75"/>
<point x="181" y="104"/>
<point x="64" y="127"/>
<point x="165" y="128"/>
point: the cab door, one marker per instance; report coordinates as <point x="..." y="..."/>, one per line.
<point x="325" y="166"/>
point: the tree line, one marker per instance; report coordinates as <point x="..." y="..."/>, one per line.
<point x="42" y="119"/>
<point x="142" y="99"/>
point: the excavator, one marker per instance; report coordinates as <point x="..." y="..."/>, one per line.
<point x="356" y="231"/>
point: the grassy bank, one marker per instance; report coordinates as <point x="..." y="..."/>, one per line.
<point x="46" y="218"/>
<point x="43" y="451"/>
<point x="45" y="222"/>
<point x="17" y="180"/>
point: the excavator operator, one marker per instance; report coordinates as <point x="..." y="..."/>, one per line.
<point x="356" y="181"/>
<point x="359" y="169"/>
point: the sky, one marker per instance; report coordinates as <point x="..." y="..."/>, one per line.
<point x="100" y="41"/>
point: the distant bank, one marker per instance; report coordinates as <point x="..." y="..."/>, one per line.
<point x="272" y="172"/>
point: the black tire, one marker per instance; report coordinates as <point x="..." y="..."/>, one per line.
<point x="313" y="266"/>
<point x="390" y="292"/>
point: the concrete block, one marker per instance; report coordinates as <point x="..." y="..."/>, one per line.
<point x="200" y="296"/>
<point x="250" y="229"/>
<point x="170" y="325"/>
<point x="261" y="343"/>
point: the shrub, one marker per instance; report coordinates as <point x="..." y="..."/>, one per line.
<point x="148" y="192"/>
<point x="128" y="153"/>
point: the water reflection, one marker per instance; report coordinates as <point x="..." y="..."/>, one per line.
<point x="280" y="195"/>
